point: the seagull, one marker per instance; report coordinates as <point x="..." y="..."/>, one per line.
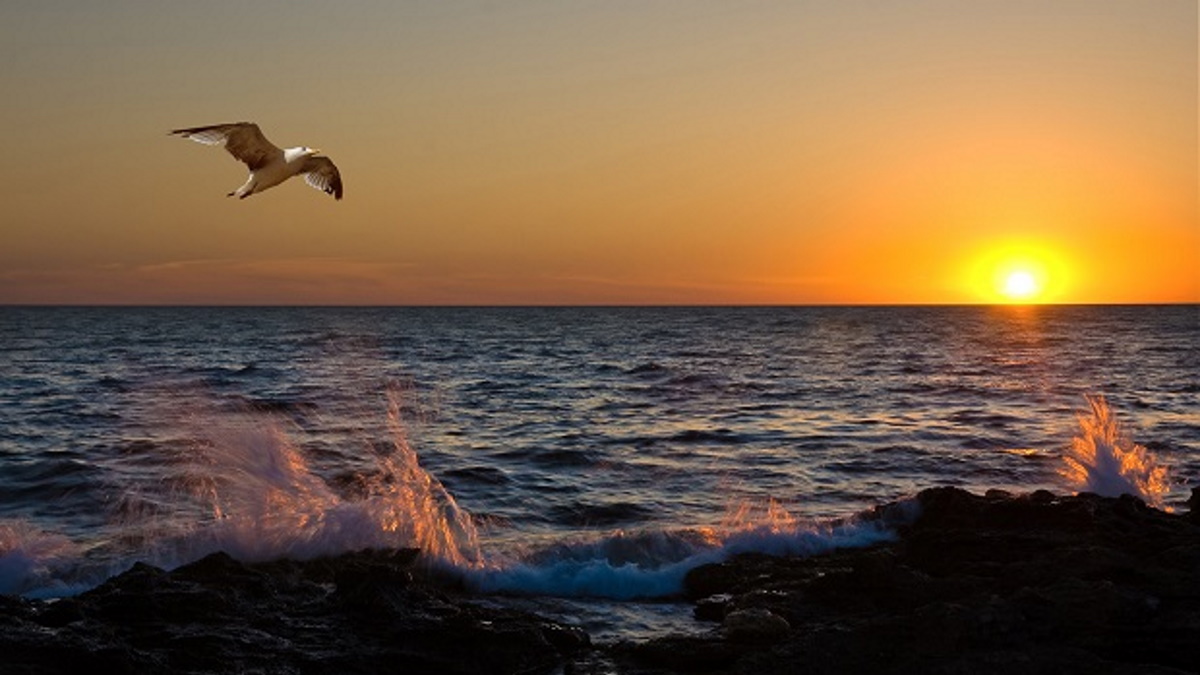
<point x="269" y="165"/>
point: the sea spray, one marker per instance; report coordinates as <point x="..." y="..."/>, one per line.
<point x="254" y="495"/>
<point x="32" y="559"/>
<point x="781" y="533"/>
<point x="1103" y="460"/>
<point x="653" y="564"/>
<point x="242" y="485"/>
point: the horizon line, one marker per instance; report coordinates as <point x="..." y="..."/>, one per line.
<point x="287" y="305"/>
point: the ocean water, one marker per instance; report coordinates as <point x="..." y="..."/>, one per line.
<point x="579" y="460"/>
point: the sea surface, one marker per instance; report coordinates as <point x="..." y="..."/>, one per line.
<point x="576" y="460"/>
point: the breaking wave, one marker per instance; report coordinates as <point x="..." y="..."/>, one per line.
<point x="264" y="501"/>
<point x="244" y="486"/>
<point x="652" y="564"/>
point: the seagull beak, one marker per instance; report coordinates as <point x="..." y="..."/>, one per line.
<point x="315" y="151"/>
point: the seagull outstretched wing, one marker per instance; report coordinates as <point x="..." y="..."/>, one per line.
<point x="243" y="140"/>
<point x="269" y="165"/>
<point x="321" y="173"/>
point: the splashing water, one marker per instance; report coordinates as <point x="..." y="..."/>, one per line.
<point x="243" y="486"/>
<point x="1103" y="460"/>
<point x="31" y="558"/>
<point x="265" y="502"/>
<point x="653" y="564"/>
<point x="239" y="483"/>
<point x="253" y="495"/>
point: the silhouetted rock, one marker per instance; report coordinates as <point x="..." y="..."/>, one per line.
<point x="994" y="584"/>
<point x="1193" y="503"/>
<point x="356" y="613"/>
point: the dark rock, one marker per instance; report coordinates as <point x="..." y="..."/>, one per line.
<point x="1193" y="504"/>
<point x="686" y="654"/>
<point x="997" y="584"/>
<point x="712" y="608"/>
<point x="755" y="625"/>
<point x="363" y="612"/>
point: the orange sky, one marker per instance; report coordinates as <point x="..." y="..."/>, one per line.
<point x="605" y="152"/>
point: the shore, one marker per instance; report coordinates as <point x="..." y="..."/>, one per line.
<point x="997" y="583"/>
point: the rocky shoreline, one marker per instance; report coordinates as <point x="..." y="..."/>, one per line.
<point x="975" y="584"/>
<point x="993" y="584"/>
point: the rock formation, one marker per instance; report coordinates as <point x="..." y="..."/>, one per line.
<point x="991" y="584"/>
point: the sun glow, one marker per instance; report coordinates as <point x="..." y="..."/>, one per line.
<point x="1020" y="285"/>
<point x="1023" y="273"/>
<point x="1021" y="280"/>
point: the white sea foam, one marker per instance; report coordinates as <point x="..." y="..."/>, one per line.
<point x="654" y="564"/>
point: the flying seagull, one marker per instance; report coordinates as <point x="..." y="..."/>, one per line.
<point x="269" y="166"/>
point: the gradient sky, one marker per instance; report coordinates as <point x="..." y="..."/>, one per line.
<point x="568" y="152"/>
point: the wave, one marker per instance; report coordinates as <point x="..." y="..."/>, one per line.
<point x="244" y="487"/>
<point x="653" y="564"/>
<point x="264" y="501"/>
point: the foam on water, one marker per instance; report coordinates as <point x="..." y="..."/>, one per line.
<point x="1103" y="460"/>
<point x="653" y="564"/>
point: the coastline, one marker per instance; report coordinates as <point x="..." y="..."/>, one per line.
<point x="998" y="583"/>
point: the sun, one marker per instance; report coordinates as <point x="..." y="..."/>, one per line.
<point x="1021" y="282"/>
<point x="1019" y="273"/>
<point x="1020" y="285"/>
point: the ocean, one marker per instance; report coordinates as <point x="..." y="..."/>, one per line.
<point x="574" y="460"/>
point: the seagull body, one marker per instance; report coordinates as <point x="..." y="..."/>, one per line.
<point x="269" y="166"/>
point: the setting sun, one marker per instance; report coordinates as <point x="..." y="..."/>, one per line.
<point x="1025" y="278"/>
<point x="1020" y="285"/>
<point x="1021" y="271"/>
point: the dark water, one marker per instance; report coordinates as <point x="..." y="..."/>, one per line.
<point x="558" y="451"/>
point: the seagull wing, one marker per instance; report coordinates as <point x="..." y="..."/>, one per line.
<point x="243" y="140"/>
<point x="320" y="173"/>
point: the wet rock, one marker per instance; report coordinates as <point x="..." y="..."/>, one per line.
<point x="713" y="607"/>
<point x="756" y="625"/>
<point x="681" y="654"/>
<point x="1193" y="504"/>
<point x="995" y="584"/>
